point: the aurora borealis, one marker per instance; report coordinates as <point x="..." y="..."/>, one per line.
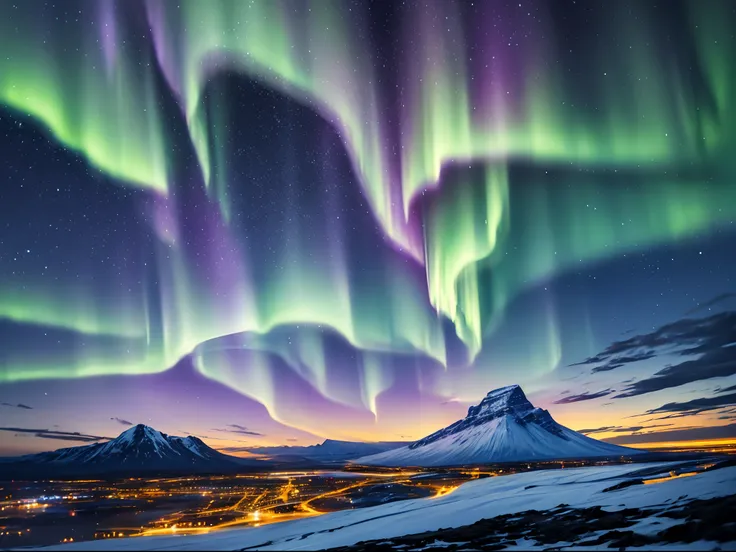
<point x="349" y="219"/>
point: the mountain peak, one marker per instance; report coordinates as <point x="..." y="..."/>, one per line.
<point x="138" y="428"/>
<point x="507" y="398"/>
<point x="504" y="390"/>
<point x="141" y="431"/>
<point x="503" y="427"/>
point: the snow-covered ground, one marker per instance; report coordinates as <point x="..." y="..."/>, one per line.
<point x="473" y="501"/>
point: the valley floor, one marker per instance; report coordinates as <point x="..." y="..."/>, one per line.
<point x="638" y="506"/>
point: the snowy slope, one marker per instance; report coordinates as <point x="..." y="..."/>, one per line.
<point x="479" y="499"/>
<point x="504" y="427"/>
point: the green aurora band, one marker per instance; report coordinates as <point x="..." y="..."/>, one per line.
<point x="644" y="159"/>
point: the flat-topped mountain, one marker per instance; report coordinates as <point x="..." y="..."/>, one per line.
<point x="503" y="427"/>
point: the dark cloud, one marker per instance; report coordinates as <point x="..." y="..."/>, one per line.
<point x="620" y="429"/>
<point x="292" y="440"/>
<point x="723" y="390"/>
<point x="717" y="299"/>
<point x="122" y="422"/>
<point x="243" y="430"/>
<point x="620" y="361"/>
<point x="711" y="339"/>
<point x="603" y="429"/>
<point x="674" y="416"/>
<point x="720" y="363"/>
<point x="235" y="449"/>
<point x="58" y="435"/>
<point x="713" y="331"/>
<point x="697" y="406"/>
<point x="215" y="438"/>
<point x="583" y="397"/>
<point x="607" y="367"/>
<point x="595" y="359"/>
<point x="689" y="434"/>
<point x="239" y="429"/>
<point x="608" y="363"/>
<point x="19" y="405"/>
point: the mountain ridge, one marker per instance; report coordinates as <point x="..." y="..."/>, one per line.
<point x="137" y="450"/>
<point x="330" y="450"/>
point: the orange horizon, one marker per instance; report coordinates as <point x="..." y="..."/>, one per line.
<point x="684" y="444"/>
<point x="692" y="443"/>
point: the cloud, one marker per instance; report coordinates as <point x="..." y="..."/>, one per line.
<point x="711" y="339"/>
<point x="620" y="429"/>
<point x="451" y="401"/>
<point x="58" y="435"/>
<point x="671" y="416"/>
<point x="612" y="361"/>
<point x="235" y="449"/>
<point x="215" y="438"/>
<point x="603" y="429"/>
<point x="717" y="299"/>
<point x="239" y="429"/>
<point x="620" y="361"/>
<point x="19" y="405"/>
<point x="689" y="434"/>
<point x="720" y="363"/>
<point x="713" y="331"/>
<point x="122" y="422"/>
<point x="583" y="397"/>
<point x="292" y="440"/>
<point x="697" y="406"/>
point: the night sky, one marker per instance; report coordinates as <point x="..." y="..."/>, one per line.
<point x="273" y="222"/>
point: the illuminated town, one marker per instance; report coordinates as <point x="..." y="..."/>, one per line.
<point x="51" y="512"/>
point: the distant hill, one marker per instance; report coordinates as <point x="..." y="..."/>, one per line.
<point x="504" y="427"/>
<point x="328" y="451"/>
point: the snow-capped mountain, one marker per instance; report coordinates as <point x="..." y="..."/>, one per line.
<point x="504" y="427"/>
<point x="138" y="449"/>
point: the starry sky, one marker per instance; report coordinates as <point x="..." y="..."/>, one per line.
<point x="273" y="222"/>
